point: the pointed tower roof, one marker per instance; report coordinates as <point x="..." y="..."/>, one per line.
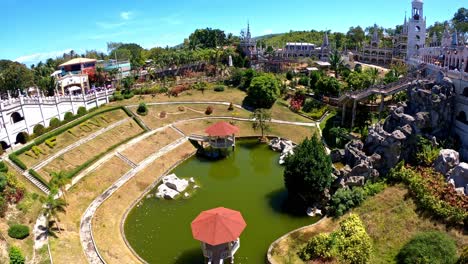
<point x="249" y="36"/>
<point x="375" y="35"/>
<point x="325" y="43"/>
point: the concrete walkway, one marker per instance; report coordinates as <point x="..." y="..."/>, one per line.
<point x="86" y="232"/>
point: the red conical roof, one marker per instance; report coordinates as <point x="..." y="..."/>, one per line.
<point x="218" y="226"/>
<point x="222" y="129"/>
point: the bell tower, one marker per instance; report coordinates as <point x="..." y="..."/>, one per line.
<point x="416" y="28"/>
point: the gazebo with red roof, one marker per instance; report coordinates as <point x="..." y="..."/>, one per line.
<point x="218" y="230"/>
<point x="221" y="135"/>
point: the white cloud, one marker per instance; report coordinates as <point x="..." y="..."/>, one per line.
<point x="267" y="31"/>
<point x="126" y="15"/>
<point x="41" y="56"/>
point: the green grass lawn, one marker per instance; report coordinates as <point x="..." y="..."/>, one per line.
<point x="391" y="220"/>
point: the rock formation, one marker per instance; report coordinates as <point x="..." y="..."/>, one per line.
<point x="286" y="147"/>
<point x="172" y="186"/>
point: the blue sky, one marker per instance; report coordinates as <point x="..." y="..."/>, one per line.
<point x="35" y="30"/>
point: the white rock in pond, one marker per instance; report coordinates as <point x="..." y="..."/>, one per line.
<point x="164" y="192"/>
<point x="186" y="195"/>
<point x="196" y="187"/>
<point x="313" y="211"/>
<point x="173" y="182"/>
<point x="192" y="180"/>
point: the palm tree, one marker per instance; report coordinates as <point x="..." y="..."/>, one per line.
<point x="53" y="207"/>
<point x="374" y="74"/>
<point x="336" y="62"/>
<point x="60" y="181"/>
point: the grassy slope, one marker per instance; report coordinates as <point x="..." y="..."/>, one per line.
<point x="391" y="219"/>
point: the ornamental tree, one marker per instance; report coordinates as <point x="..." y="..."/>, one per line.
<point x="263" y="91"/>
<point x="308" y="172"/>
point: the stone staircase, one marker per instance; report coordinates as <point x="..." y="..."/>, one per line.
<point x="28" y="176"/>
<point x="126" y="160"/>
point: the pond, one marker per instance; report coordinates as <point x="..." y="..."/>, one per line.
<point x="249" y="180"/>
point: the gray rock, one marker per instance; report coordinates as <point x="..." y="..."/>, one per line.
<point x="447" y="160"/>
<point x="459" y="175"/>
<point x="337" y="155"/>
<point x="356" y="181"/>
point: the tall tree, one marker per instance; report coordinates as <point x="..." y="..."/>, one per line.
<point x="263" y="91"/>
<point x="14" y="76"/>
<point x="60" y="180"/>
<point x="53" y="207"/>
<point x="356" y="36"/>
<point x="261" y="120"/>
<point x="336" y="61"/>
<point x="460" y="22"/>
<point x="308" y="172"/>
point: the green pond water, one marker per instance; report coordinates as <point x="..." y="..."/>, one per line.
<point x="249" y="180"/>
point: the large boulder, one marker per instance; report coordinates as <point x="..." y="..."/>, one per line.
<point x="447" y="160"/>
<point x="164" y="192"/>
<point x="337" y="155"/>
<point x="459" y="176"/>
<point x="173" y="182"/>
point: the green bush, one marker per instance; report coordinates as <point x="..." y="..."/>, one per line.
<point x="128" y="95"/>
<point x="81" y="111"/>
<point x="142" y="109"/>
<point x="463" y="259"/>
<point x="163" y="90"/>
<point x="349" y="244"/>
<point x="54" y="122"/>
<point x="16" y="257"/>
<point x="51" y="142"/>
<point x="3" y="181"/>
<point x="18" y="231"/>
<point x="23" y="137"/>
<point x="3" y="167"/>
<point x="38" y="129"/>
<point x="429" y="247"/>
<point x="68" y="116"/>
<point x="231" y="107"/>
<point x="117" y="96"/>
<point x="311" y="104"/>
<point x="345" y="199"/>
<point x="427" y="153"/>
<point x="219" y="88"/>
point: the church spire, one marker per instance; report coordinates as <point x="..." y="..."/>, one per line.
<point x="325" y="43"/>
<point x="248" y="30"/>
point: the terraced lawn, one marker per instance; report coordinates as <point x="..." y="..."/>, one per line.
<point x="67" y="247"/>
<point x="151" y="144"/>
<point x="78" y="156"/>
<point x="72" y="135"/>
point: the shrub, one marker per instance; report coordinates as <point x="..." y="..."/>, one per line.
<point x="163" y="114"/>
<point x="429" y="247"/>
<point x="304" y="81"/>
<point x="68" y="116"/>
<point x="349" y="244"/>
<point x="142" y="109"/>
<point x="22" y="137"/>
<point x="163" y="90"/>
<point x="178" y="89"/>
<point x="3" y="167"/>
<point x="54" y="122"/>
<point x="81" y="111"/>
<point x="3" y="181"/>
<point x="289" y="75"/>
<point x="263" y="91"/>
<point x="181" y="108"/>
<point x="209" y="110"/>
<point x="463" y="259"/>
<point x="345" y="199"/>
<point x="18" y="231"/>
<point x="219" y="88"/>
<point x="427" y="153"/>
<point x="311" y="104"/>
<point x="128" y="95"/>
<point x="16" y="257"/>
<point x="38" y="129"/>
<point x="117" y="96"/>
<point x="231" y="107"/>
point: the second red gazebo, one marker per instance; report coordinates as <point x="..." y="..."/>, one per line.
<point x="218" y="230"/>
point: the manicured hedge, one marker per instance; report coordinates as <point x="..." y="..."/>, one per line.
<point x="142" y="109"/>
<point x="84" y="165"/>
<point x="17" y="161"/>
<point x="18" y="231"/>
<point x="3" y="167"/>
<point x="38" y="129"/>
<point x="39" y="177"/>
<point x="54" y="122"/>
